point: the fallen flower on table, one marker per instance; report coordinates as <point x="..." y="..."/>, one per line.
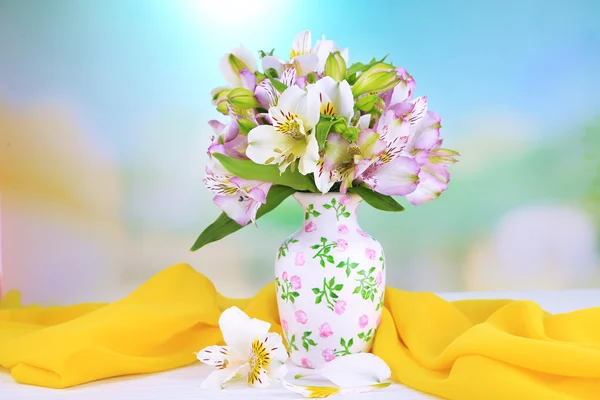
<point x="252" y="352"/>
<point x="354" y="373"/>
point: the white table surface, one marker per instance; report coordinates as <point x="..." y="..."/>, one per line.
<point x="184" y="383"/>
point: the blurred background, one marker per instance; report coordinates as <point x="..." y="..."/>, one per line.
<point x="103" y="130"/>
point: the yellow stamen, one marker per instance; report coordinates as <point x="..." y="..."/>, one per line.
<point x="291" y="126"/>
<point x="259" y="360"/>
<point x="327" y="109"/>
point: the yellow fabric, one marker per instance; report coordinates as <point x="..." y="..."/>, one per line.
<point x="476" y="349"/>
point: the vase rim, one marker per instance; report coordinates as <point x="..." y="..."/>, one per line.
<point x="300" y="195"/>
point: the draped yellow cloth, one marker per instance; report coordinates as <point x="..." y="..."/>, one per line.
<point x="474" y="349"/>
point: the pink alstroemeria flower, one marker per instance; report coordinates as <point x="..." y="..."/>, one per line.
<point x="238" y="198"/>
<point x="227" y="140"/>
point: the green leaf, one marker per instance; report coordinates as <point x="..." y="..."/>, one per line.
<point x="316" y="214"/>
<point x="326" y="206"/>
<point x="333" y="295"/>
<point x="311" y="342"/>
<point x="306" y="215"/>
<point x="333" y="201"/>
<point x="272" y="73"/>
<point x="350" y="342"/>
<point x="281" y="87"/>
<point x="247" y="169"/>
<point x="331" y="282"/>
<point x="294" y="294"/>
<point x="318" y="299"/>
<point x="356" y="290"/>
<point x="322" y="263"/>
<point x="343" y="342"/>
<point x="316" y="290"/>
<point x="346" y="214"/>
<point x="315" y="246"/>
<point x="305" y="345"/>
<point x="245" y="126"/>
<point x="339" y="286"/>
<point x="306" y="334"/>
<point x="371" y="270"/>
<point x="224" y="226"/>
<point x="322" y="129"/>
<point x="330" y="259"/>
<point x="366" y="103"/>
<point x="341" y="264"/>
<point x="353" y="265"/>
<point x="377" y="200"/>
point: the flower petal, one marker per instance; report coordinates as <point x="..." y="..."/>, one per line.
<point x="398" y="177"/>
<point x="273" y="343"/>
<point x="336" y="151"/>
<point x="218" y="378"/>
<point x="260" y="380"/>
<point x="229" y="73"/>
<point x="363" y="122"/>
<point x="419" y="110"/>
<point x="306" y="63"/>
<point x="217" y="356"/>
<point x="273" y="62"/>
<point x="288" y="77"/>
<point x="248" y="79"/>
<point x="221" y="185"/>
<point x="262" y="142"/>
<point x="353" y="370"/>
<point x="301" y="103"/>
<point x="239" y="208"/>
<point x="312" y="391"/>
<point x="239" y="331"/>
<point x="340" y="95"/>
<point x="308" y="160"/>
<point x="302" y="43"/>
<point x="429" y="188"/>
<point x="324" y="181"/>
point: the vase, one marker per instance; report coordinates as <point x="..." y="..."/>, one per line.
<point x="330" y="280"/>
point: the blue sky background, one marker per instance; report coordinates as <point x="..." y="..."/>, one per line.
<point x="516" y="84"/>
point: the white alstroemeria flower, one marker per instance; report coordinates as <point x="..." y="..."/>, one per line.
<point x="251" y="352"/>
<point x="303" y="57"/>
<point x="231" y="72"/>
<point x="335" y="97"/>
<point x="354" y="373"/>
<point x="290" y="136"/>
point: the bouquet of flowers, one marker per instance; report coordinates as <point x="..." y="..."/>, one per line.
<point x="313" y="123"/>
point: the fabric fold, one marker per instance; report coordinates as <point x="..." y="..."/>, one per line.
<point x="462" y="350"/>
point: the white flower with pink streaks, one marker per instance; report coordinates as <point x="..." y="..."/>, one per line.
<point x="342" y="245"/>
<point x="340" y="307"/>
<point x="363" y="321"/>
<point x="325" y="330"/>
<point x="296" y="282"/>
<point x="301" y="317"/>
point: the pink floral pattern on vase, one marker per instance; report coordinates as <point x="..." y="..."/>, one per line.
<point x="343" y="229"/>
<point x="301" y="317"/>
<point x="378" y="321"/>
<point x="362" y="233"/>
<point x="363" y="321"/>
<point x="346" y="200"/>
<point x="296" y="282"/>
<point x="370" y="253"/>
<point x="379" y="278"/>
<point x="325" y="330"/>
<point x="340" y="307"/>
<point x="306" y="363"/>
<point x="328" y="355"/>
<point x="310" y="227"/>
<point x="342" y="245"/>
<point x="329" y="287"/>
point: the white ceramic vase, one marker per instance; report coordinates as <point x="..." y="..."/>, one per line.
<point x="330" y="278"/>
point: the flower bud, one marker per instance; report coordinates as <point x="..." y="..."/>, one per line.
<point x="368" y="103"/>
<point x="335" y="66"/>
<point x="219" y="99"/>
<point x="242" y="98"/>
<point x="236" y="63"/>
<point x="379" y="78"/>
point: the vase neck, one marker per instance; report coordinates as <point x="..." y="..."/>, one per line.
<point x="331" y="208"/>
